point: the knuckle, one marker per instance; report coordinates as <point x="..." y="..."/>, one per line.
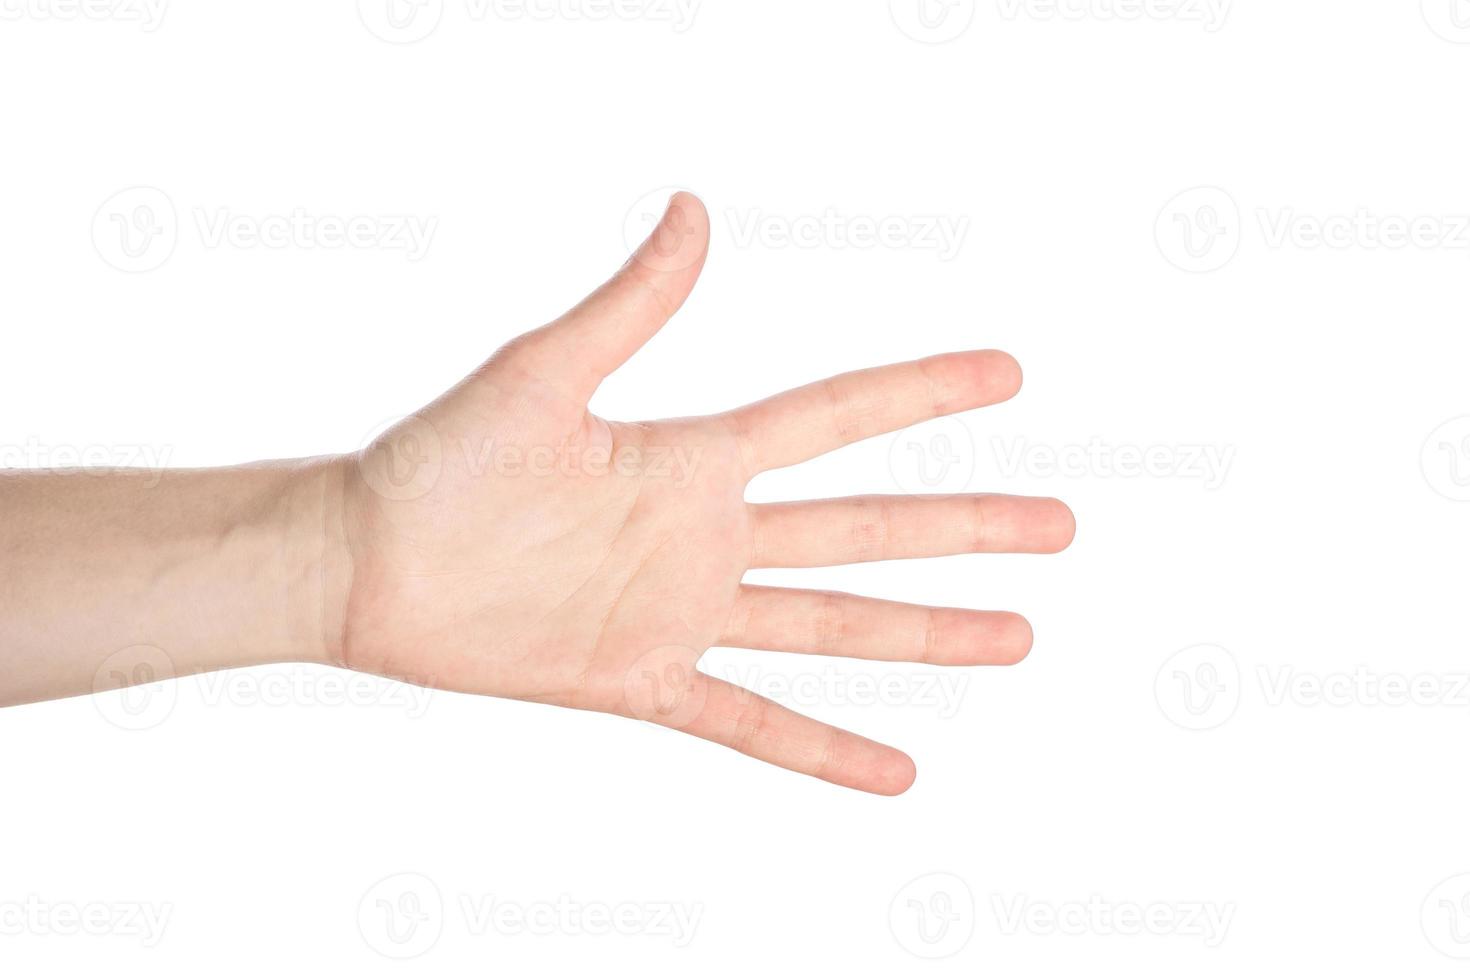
<point x="938" y="390"/>
<point x="929" y="645"/>
<point x="847" y="421"/>
<point x="829" y="623"/>
<point x="652" y="294"/>
<point x="750" y="720"/>
<point x="828" y="765"/>
<point x="870" y="530"/>
<point x="980" y="531"/>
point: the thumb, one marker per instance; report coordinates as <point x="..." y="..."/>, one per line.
<point x="598" y="335"/>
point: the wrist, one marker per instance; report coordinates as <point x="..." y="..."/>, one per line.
<point x="315" y="562"/>
<point x="279" y="573"/>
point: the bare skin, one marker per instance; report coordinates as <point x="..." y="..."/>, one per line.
<point x="505" y="541"/>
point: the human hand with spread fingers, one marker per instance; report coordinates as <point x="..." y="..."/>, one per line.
<point x="506" y="541"/>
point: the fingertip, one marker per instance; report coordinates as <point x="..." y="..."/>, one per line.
<point x="1007" y="370"/>
<point x="686" y="223"/>
<point x="971" y="379"/>
<point x="678" y="244"/>
<point x="1018" y="638"/>
<point x="1064" y="529"/>
<point x="691" y="207"/>
<point x="976" y="638"/>
<point x="895" y="777"/>
<point x="991" y="376"/>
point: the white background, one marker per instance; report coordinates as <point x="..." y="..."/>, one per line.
<point x="1323" y="566"/>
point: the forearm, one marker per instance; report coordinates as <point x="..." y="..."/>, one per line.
<point x="215" y="568"/>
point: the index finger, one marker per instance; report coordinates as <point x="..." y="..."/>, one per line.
<point x="806" y="422"/>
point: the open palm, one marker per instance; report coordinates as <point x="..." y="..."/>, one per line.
<point x="506" y="541"/>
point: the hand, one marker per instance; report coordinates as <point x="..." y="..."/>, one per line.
<point x="506" y="541"/>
